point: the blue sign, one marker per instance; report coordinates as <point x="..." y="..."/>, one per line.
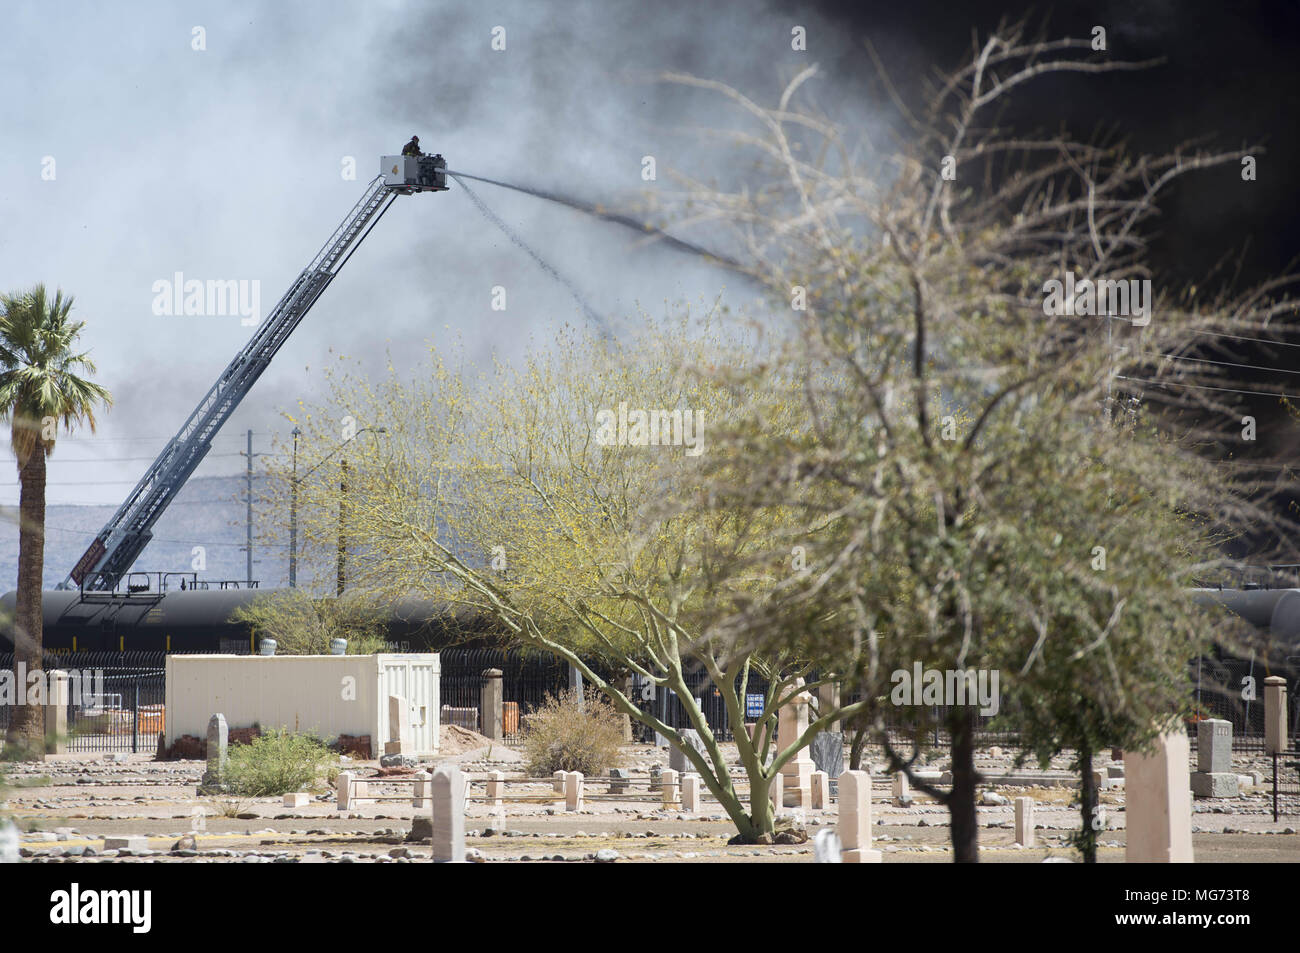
<point x="753" y="706"/>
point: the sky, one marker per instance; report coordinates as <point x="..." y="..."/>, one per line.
<point x="129" y="154"/>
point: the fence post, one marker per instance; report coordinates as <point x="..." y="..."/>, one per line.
<point x="135" y="719"/>
<point x="490" y="697"/>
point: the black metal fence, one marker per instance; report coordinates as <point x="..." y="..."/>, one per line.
<point x="118" y="704"/>
<point x="115" y="700"/>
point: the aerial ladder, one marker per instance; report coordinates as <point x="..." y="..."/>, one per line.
<point x="124" y="536"/>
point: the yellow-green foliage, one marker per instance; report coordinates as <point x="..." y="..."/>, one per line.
<point x="277" y="762"/>
<point x="304" y="625"/>
<point x="566" y="734"/>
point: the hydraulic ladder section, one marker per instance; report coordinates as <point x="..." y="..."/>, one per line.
<point x="121" y="540"/>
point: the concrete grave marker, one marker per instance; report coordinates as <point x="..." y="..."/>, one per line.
<point x="1159" y="802"/>
<point x="399" y="726"/>
<point x="854" y="825"/>
<point x="448" y="815"/>
<point x="1025" y="821"/>
<point x="677" y="759"/>
<point x="214" y="778"/>
<point x="1214" y="777"/>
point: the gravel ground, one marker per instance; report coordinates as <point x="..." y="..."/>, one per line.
<point x="69" y="804"/>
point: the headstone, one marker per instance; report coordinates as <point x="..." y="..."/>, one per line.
<point x="1115" y="771"/>
<point x="344" y="788"/>
<point x="399" y="726"/>
<point x="1275" y="715"/>
<point x="792" y="722"/>
<point x="214" y="778"/>
<point x="677" y="759"/>
<point x="8" y="842"/>
<point x="620" y="778"/>
<point x="1159" y="802"/>
<point x="1214" y="745"/>
<point x="490" y="704"/>
<point x="656" y="776"/>
<point x="448" y="815"/>
<point x="670" y="788"/>
<point x="821" y="790"/>
<point x="496" y="785"/>
<point x="557" y="784"/>
<point x="1215" y="777"/>
<point x="421" y="830"/>
<point x="134" y="845"/>
<point x="297" y="799"/>
<point x="827" y="848"/>
<point x="776" y="792"/>
<point x="901" y="792"/>
<point x="422" y="792"/>
<point x="827" y="751"/>
<point x="573" y="791"/>
<point x="854" y="825"/>
<point x="690" y="793"/>
<point x="1025" y="821"/>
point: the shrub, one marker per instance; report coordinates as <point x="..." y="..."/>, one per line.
<point x="571" y="734"/>
<point x="277" y="762"/>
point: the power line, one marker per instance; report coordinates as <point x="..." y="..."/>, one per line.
<point x="1249" y="367"/>
<point x="1230" y="390"/>
<point x="1238" y="337"/>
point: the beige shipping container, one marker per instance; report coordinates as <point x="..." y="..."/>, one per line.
<point x="329" y="695"/>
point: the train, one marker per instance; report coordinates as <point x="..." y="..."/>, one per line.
<point x="200" y="620"/>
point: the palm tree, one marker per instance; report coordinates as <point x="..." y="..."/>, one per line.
<point x="39" y="387"/>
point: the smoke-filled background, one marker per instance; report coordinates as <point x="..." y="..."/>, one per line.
<point x="228" y="162"/>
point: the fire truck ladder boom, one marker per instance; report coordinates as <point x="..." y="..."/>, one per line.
<point x="123" y="538"/>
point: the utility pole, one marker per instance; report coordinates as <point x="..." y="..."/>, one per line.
<point x="248" y="504"/>
<point x="248" y="499"/>
<point x="293" y="515"/>
<point x="343" y="510"/>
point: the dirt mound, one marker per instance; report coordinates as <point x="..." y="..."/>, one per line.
<point x="454" y="739"/>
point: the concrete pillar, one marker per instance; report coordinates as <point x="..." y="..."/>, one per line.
<point x="448" y="815"/>
<point x="422" y="793"/>
<point x="670" y="788"/>
<point x="1159" y="802"/>
<point x="854" y="826"/>
<point x="496" y="789"/>
<point x="901" y="788"/>
<point x="1025" y="821"/>
<point x="56" y="713"/>
<point x="690" y="793"/>
<point x="828" y="699"/>
<point x="1275" y="714"/>
<point x="344" y="787"/>
<point x="820" y="790"/>
<point x="557" y="782"/>
<point x="491" y="700"/>
<point x="573" y="791"/>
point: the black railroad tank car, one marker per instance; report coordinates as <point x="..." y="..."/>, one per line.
<point x="200" y="621"/>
